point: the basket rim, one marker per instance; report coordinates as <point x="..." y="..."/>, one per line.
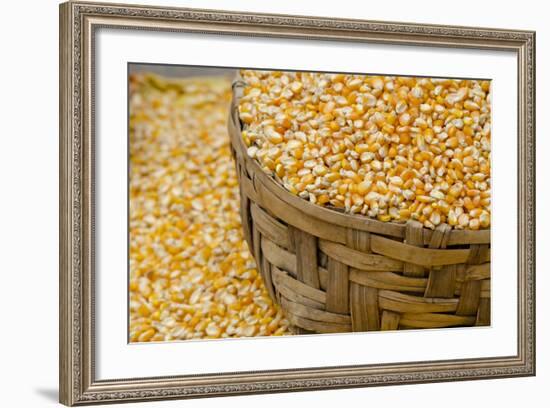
<point x="327" y="214"/>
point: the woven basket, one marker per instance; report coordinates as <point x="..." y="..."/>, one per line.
<point x="334" y="272"/>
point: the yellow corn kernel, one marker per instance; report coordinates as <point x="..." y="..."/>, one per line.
<point x="366" y="131"/>
<point x="163" y="284"/>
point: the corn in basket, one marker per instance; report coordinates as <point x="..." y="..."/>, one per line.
<point x="335" y="272"/>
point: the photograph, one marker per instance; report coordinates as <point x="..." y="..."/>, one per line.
<point x="268" y="204"/>
<point x="278" y="203"/>
<point x="253" y="202"/>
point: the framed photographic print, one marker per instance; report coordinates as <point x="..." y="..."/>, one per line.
<point x="257" y="203"/>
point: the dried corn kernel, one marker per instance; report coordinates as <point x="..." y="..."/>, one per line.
<point x="191" y="274"/>
<point x="368" y="143"/>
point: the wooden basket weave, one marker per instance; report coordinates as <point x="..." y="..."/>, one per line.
<point x="333" y="272"/>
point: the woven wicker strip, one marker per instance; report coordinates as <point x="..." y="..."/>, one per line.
<point x="333" y="272"/>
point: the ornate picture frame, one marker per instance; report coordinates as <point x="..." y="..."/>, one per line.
<point x="78" y="25"/>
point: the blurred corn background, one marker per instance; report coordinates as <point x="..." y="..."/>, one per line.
<point x="191" y="274"/>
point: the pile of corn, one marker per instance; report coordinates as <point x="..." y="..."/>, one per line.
<point x="391" y="148"/>
<point x="191" y="274"/>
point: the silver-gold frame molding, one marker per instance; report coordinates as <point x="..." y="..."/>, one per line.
<point x="78" y="23"/>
